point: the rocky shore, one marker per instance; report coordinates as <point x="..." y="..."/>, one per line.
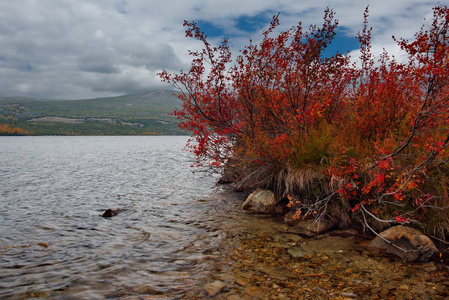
<point x="266" y="262"/>
<point x="264" y="259"/>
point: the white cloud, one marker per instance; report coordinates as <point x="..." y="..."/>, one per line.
<point x="82" y="49"/>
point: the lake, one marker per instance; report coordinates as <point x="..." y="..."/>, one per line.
<point x="54" y="242"/>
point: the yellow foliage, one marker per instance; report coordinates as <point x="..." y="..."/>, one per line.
<point x="6" y="129"/>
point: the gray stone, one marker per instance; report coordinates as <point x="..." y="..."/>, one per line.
<point x="310" y="228"/>
<point x="276" y="272"/>
<point x="406" y="243"/>
<point x="297" y="252"/>
<point x="263" y="201"/>
<point x="330" y="244"/>
<point x="214" y="288"/>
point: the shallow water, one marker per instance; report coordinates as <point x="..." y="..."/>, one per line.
<point x="53" y="240"/>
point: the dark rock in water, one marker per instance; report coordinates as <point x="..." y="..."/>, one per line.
<point x="406" y="243"/>
<point x="45" y="245"/>
<point x="109" y="213"/>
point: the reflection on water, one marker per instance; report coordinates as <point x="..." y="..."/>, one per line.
<point x="54" y="242"/>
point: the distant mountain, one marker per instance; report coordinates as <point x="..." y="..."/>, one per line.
<point x="146" y="113"/>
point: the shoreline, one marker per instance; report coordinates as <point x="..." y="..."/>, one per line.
<point x="260" y="259"/>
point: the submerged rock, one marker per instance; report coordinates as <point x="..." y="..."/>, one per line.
<point x="406" y="243"/>
<point x="312" y="227"/>
<point x="214" y="288"/>
<point x="263" y="201"/>
<point x="330" y="244"/>
<point x="297" y="252"/>
<point x="145" y="289"/>
<point x="279" y="273"/>
<point x="109" y="213"/>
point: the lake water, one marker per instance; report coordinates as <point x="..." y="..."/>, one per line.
<point x="175" y="236"/>
<point x="54" y="242"/>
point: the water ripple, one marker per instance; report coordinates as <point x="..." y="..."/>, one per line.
<point x="53" y="238"/>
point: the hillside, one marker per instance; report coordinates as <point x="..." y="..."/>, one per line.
<point x="146" y="113"/>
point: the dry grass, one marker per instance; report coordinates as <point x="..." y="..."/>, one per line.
<point x="293" y="181"/>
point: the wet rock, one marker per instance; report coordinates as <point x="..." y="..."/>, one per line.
<point x="406" y="243"/>
<point x="214" y="288"/>
<point x="297" y="252"/>
<point x="263" y="201"/>
<point x="276" y="273"/>
<point x="252" y="292"/>
<point x="45" y="245"/>
<point x="330" y="244"/>
<point x="310" y="228"/>
<point x="291" y="237"/>
<point x="109" y="213"/>
<point x="144" y="289"/>
<point x="242" y="281"/>
<point x="291" y="218"/>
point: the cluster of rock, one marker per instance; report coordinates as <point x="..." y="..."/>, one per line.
<point x="406" y="243"/>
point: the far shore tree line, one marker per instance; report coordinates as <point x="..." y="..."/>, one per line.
<point x="364" y="143"/>
<point x="6" y="129"/>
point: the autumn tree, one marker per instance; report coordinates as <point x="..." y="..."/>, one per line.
<point x="276" y="91"/>
<point x="361" y="143"/>
<point x="408" y="180"/>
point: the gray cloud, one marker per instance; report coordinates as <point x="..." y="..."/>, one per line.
<point x="80" y="49"/>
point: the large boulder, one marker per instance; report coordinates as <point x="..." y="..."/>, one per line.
<point x="263" y="201"/>
<point x="406" y="243"/>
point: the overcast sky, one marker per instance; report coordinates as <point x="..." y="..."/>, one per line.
<point x="75" y="49"/>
